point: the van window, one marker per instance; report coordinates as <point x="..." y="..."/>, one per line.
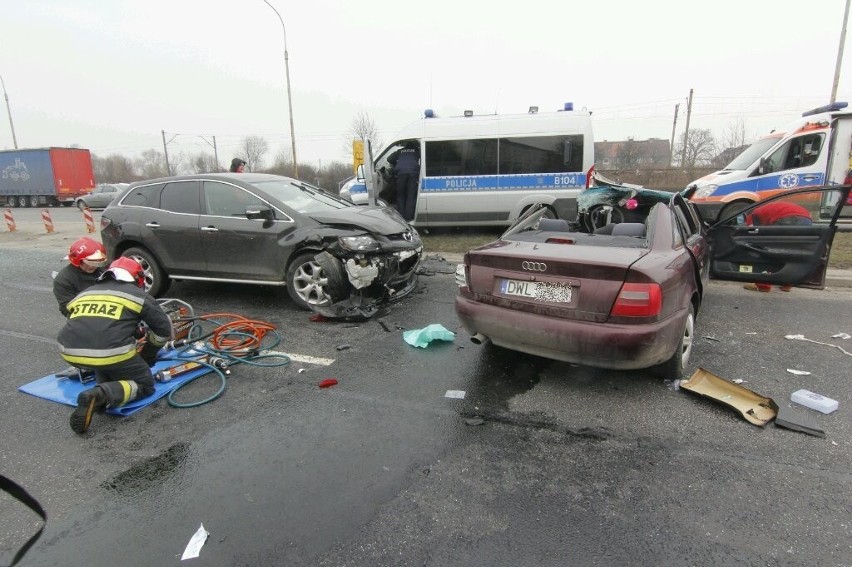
<point x="796" y="152"/>
<point x="505" y="156"/>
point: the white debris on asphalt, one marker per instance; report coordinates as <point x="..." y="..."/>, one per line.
<point x="798" y="372"/>
<point x="196" y="542"/>
<point x="802" y="338"/>
<point x="843" y="336"/>
<point x="457" y="394"/>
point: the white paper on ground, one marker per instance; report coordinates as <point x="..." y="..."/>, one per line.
<point x="196" y="542"/>
<point x="458" y="394"/>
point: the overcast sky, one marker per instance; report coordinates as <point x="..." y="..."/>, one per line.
<point x="110" y="75"/>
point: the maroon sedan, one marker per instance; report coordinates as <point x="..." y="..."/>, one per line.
<point x="621" y="286"/>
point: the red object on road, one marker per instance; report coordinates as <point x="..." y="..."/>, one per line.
<point x="328" y="383"/>
<point x="318" y="318"/>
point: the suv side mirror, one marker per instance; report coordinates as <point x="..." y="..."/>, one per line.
<point x="260" y="212"/>
<point x="764" y="166"/>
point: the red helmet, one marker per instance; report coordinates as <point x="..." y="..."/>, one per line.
<point x="89" y="251"/>
<point x="130" y="266"/>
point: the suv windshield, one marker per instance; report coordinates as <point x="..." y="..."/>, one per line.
<point x="301" y="196"/>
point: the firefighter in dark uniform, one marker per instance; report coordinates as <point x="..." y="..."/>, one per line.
<point x="86" y="258"/>
<point x="100" y="334"/>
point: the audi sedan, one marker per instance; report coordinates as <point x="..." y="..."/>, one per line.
<point x="334" y="257"/>
<point x="621" y="285"/>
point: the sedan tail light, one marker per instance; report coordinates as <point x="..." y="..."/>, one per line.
<point x="638" y="300"/>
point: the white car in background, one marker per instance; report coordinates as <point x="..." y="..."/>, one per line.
<point x="101" y="196"/>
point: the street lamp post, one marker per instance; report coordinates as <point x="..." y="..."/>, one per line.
<point x="289" y="97"/>
<point x="9" y="112"/>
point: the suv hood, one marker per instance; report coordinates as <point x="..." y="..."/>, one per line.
<point x="377" y="220"/>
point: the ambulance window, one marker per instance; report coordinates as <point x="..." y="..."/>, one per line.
<point x="811" y="147"/>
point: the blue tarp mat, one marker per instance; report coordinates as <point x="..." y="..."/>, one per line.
<point x="65" y="390"/>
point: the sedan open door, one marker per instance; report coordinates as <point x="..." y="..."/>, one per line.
<point x="784" y="240"/>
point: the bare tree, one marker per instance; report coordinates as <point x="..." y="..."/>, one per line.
<point x="253" y="149"/>
<point x="628" y="154"/>
<point x="115" y="168"/>
<point x="151" y="164"/>
<point x="282" y="163"/>
<point x="364" y="128"/>
<point x="700" y="147"/>
<point x="734" y="141"/>
<point x="202" y="163"/>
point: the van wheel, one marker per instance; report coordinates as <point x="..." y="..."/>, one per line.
<point x="673" y="368"/>
<point x="156" y="280"/>
<point x="733" y="209"/>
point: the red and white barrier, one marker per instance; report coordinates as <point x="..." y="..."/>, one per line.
<point x="10" y="220"/>
<point x="90" y="222"/>
<point x="48" y="222"/>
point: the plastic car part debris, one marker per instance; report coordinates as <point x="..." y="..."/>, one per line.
<point x="360" y="276"/>
<point x="474" y="421"/>
<point x="318" y="318"/>
<point x="754" y="408"/>
<point x="384" y="326"/>
<point x="327" y="383"/>
<point x="814" y="401"/>
<point x="796" y="420"/>
<point x="843" y="336"/>
<point x="798" y="372"/>
<point x="422" y="337"/>
<point x="455" y="394"/>
<point x="343" y="347"/>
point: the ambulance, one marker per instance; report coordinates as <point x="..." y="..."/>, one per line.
<point x="811" y="151"/>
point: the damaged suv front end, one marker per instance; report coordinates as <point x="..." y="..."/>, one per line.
<point x="356" y="273"/>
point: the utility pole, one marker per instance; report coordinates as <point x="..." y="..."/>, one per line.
<point x="839" y="55"/>
<point x="215" y="150"/>
<point x="9" y="112"/>
<point x="686" y="132"/>
<point x="674" y="126"/>
<point x="166" y="153"/>
<point x="289" y="96"/>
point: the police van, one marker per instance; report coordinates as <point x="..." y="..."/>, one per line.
<point x="793" y="157"/>
<point x="486" y="170"/>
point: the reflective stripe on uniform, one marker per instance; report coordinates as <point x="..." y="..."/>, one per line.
<point x="97" y="357"/>
<point x="156" y="340"/>
<point x="125" y="299"/>
<point x="130" y="389"/>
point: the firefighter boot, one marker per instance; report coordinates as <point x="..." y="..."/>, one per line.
<point x="87" y="402"/>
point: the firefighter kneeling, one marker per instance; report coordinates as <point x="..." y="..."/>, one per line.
<point x="99" y="334"/>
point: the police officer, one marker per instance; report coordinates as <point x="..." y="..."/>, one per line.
<point x="86" y="258"/>
<point x="99" y="334"/>
<point x="407" y="170"/>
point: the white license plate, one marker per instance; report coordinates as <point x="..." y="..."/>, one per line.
<point x="559" y="292"/>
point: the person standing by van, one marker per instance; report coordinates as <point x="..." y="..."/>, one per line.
<point x="407" y="170"/>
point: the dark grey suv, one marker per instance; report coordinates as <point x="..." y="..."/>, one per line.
<point x="334" y="257"/>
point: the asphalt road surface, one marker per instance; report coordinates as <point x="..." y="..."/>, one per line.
<point x="541" y="463"/>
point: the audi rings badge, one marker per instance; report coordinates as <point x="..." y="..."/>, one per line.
<point x="534" y="266"/>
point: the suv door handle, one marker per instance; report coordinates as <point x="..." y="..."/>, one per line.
<point x="209" y="229"/>
<point x="152" y="224"/>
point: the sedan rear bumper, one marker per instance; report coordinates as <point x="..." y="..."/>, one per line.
<point x="603" y="345"/>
